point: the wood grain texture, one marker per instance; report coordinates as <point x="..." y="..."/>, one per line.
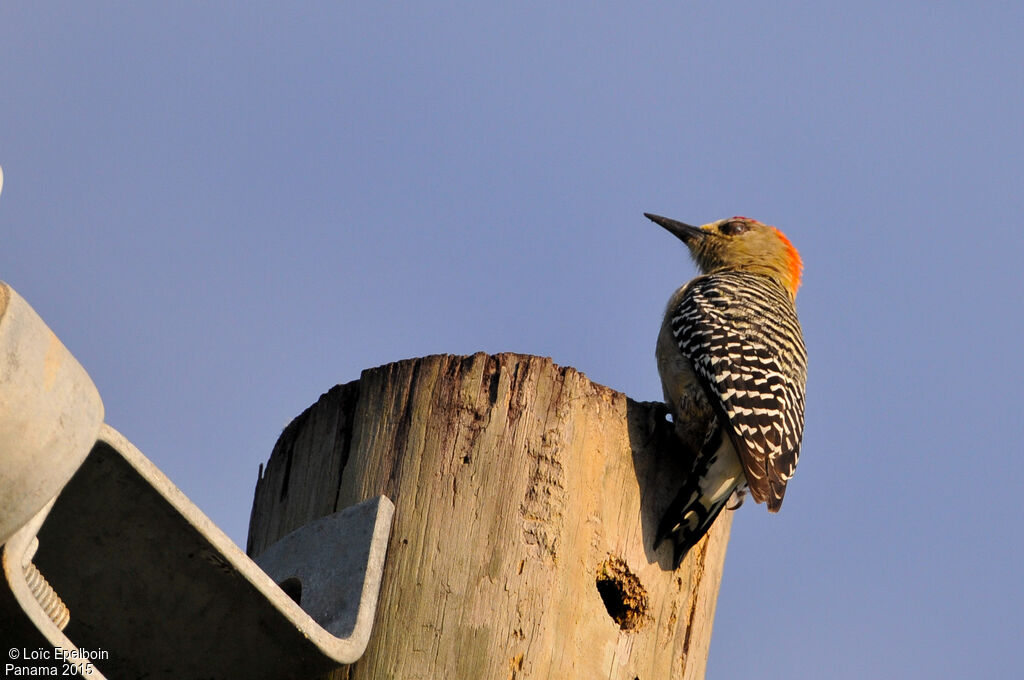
<point x="526" y="502"/>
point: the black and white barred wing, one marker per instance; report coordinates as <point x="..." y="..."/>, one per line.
<point x="741" y="334"/>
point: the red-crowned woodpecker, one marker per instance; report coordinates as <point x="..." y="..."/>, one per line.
<point x="733" y="369"/>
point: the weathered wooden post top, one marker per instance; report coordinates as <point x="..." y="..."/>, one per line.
<point x="526" y="501"/>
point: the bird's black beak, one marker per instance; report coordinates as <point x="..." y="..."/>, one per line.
<point x="687" y="233"/>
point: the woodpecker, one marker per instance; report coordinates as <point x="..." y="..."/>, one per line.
<point x="733" y="370"/>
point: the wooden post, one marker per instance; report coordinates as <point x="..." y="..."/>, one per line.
<point x="526" y="502"/>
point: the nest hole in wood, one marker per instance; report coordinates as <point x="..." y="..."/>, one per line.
<point x="622" y="593"/>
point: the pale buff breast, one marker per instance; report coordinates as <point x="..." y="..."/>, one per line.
<point x="691" y="411"/>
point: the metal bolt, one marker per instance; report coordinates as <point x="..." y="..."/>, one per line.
<point x="46" y="596"/>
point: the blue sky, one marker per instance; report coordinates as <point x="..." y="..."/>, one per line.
<point x="223" y="210"/>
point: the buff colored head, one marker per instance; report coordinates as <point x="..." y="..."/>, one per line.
<point x="739" y="243"/>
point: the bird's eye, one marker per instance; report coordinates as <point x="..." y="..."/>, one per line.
<point x="733" y="228"/>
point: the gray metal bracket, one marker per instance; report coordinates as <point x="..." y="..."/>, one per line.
<point x="143" y="576"/>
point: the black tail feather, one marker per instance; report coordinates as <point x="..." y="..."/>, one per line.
<point x="688" y="517"/>
<point x="686" y="521"/>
